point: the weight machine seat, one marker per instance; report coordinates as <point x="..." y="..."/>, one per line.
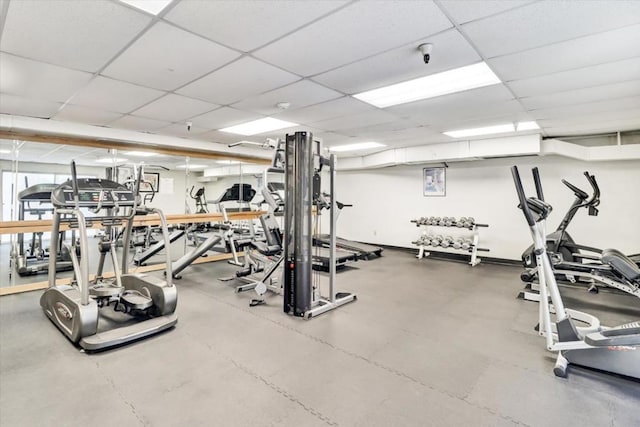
<point x="622" y="264"/>
<point x="265" y="249"/>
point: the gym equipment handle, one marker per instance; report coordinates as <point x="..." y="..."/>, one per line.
<point x="536" y="180"/>
<point x="523" y="200"/>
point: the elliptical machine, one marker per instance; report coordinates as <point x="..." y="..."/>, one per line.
<point x="575" y="263"/>
<point x="75" y="309"/>
<point x="560" y="242"/>
<point x="615" y="350"/>
<point x="201" y="200"/>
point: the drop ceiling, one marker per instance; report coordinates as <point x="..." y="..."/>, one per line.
<point x="574" y="67"/>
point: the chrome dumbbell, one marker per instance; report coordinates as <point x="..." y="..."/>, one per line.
<point x="447" y="241"/>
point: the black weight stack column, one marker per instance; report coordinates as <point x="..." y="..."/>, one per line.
<point x="299" y="169"/>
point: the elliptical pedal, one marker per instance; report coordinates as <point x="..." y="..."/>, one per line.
<point x="134" y="300"/>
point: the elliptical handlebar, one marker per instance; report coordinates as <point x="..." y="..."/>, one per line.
<point x="536" y="180"/>
<point x="74" y="183"/>
<point x="522" y="197"/>
<point x="578" y="192"/>
<point x="595" y="199"/>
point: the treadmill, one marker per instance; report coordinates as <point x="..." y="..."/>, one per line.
<point x="321" y="258"/>
<point x="29" y="263"/>
<point x="362" y="250"/>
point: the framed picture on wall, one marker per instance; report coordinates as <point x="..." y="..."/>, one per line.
<point x="434" y="181"/>
<point x="150" y="183"/>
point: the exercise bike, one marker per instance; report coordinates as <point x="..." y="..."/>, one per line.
<point x="615" y="350"/>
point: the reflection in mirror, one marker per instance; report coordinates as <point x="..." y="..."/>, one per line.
<point x="175" y="184"/>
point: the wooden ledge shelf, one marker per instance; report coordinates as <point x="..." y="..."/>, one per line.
<point x="14" y="227"/>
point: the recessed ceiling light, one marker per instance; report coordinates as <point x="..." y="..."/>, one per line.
<point x="190" y="166"/>
<point x="488" y="130"/>
<point x="266" y="124"/>
<point x="140" y="153"/>
<point x="110" y="160"/>
<point x="527" y="126"/>
<point x="153" y="7"/>
<point x="357" y="146"/>
<point x="481" y="131"/>
<point x="5" y="151"/>
<point x="452" y="81"/>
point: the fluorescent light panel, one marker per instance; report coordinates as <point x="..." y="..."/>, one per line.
<point x="140" y="153"/>
<point x="266" y="124"/>
<point x="5" y="151"/>
<point x="488" y="130"/>
<point x="110" y="160"/>
<point x="481" y="131"/>
<point x="357" y="146"/>
<point x="153" y="7"/>
<point x="452" y="81"/>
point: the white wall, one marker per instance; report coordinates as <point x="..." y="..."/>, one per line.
<point x="170" y="200"/>
<point x="385" y="200"/>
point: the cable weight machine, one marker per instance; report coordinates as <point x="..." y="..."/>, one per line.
<point x="303" y="164"/>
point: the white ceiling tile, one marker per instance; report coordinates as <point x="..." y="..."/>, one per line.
<point x="326" y="110"/>
<point x="223" y="117"/>
<point x="174" y="108"/>
<point x="282" y="133"/>
<point x="359" y="120"/>
<point x="581" y="96"/>
<point x="450" y="51"/>
<point x="222" y="137"/>
<point x="548" y="22"/>
<point x="20" y="106"/>
<point x="299" y="94"/>
<point x="577" y="53"/>
<point x="594" y="126"/>
<point x="166" y="57"/>
<point x="613" y="72"/>
<point x="246" y="25"/>
<point x="180" y="130"/>
<point x="77" y="34"/>
<point x="140" y="124"/>
<point x="238" y="80"/>
<point x="329" y="138"/>
<point x="354" y="32"/>
<point x="590" y="120"/>
<point x="113" y="95"/>
<point x="91" y="116"/>
<point x="393" y="131"/>
<point x="476" y="103"/>
<point x="463" y="11"/>
<point x="622" y="105"/>
<point x="34" y="79"/>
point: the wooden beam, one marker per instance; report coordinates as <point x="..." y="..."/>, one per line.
<point x="121" y="145"/>
<point x="11" y="290"/>
<point x="13" y="227"/>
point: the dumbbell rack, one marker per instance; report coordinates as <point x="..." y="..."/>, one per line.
<point x="473" y="249"/>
